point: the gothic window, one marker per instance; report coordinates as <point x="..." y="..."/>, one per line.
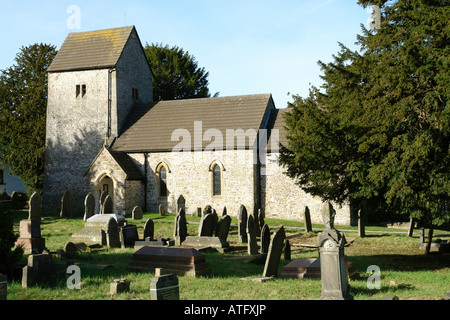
<point x="78" y="91"/>
<point x="83" y="90"/>
<point x="163" y="182"/>
<point x="217" y="181"/>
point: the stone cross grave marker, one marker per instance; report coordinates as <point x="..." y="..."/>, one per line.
<point x="164" y="287"/>
<point x="274" y="254"/>
<point x="89" y="206"/>
<point x="242" y="224"/>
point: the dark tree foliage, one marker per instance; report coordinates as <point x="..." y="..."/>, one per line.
<point x="177" y="74"/>
<point x="379" y="128"/>
<point x="23" y="106"/>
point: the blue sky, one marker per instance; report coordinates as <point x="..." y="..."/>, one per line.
<point x="247" y="46"/>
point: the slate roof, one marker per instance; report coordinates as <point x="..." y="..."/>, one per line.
<point x="127" y="165"/>
<point x="277" y="122"/>
<point x="150" y="125"/>
<point x="91" y="50"/>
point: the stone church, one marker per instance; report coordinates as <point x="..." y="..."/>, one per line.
<point x="105" y="132"/>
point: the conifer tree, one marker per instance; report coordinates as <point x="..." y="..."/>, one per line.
<point x="379" y="128"/>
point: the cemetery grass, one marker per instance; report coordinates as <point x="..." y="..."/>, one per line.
<point x="404" y="269"/>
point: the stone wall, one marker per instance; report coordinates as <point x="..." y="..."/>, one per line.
<point x="190" y="175"/>
<point x="282" y="198"/>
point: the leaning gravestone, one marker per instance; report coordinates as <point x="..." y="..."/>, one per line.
<point x="149" y="230"/>
<point x="207" y="225"/>
<point x="66" y="205"/>
<point x="223" y="227"/>
<point x="164" y="287"/>
<point x="252" y="246"/>
<point x="89" y="206"/>
<point x="333" y="267"/>
<point x="274" y="254"/>
<point x="136" y="213"/>
<point x="101" y="201"/>
<point x="242" y="224"/>
<point x="265" y="239"/>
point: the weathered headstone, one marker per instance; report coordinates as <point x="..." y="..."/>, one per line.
<point x="223" y="227"/>
<point x="207" y="225"/>
<point x="128" y="236"/>
<point x="181" y="203"/>
<point x="89" y="206"/>
<point x="361" y="224"/>
<point x="136" y="213"/>
<point x="101" y="201"/>
<point x="3" y="286"/>
<point x="108" y="205"/>
<point x="256" y="212"/>
<point x="66" y="205"/>
<point x="265" y="239"/>
<point x="161" y="210"/>
<point x="165" y="287"/>
<point x="207" y="210"/>
<point x="308" y="226"/>
<point x="274" y="254"/>
<point x="242" y="224"/>
<point x="112" y="233"/>
<point x="119" y="286"/>
<point x="261" y="219"/>
<point x="35" y="207"/>
<point x="40" y="270"/>
<point x="224" y="211"/>
<point x="30" y="230"/>
<point x="180" y="233"/>
<point x="287" y="250"/>
<point x="252" y="245"/>
<point x="149" y="230"/>
<point x="333" y="267"/>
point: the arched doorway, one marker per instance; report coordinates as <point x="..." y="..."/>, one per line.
<point x="106" y="184"/>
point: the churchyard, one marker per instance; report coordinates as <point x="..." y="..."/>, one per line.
<point x="405" y="271"/>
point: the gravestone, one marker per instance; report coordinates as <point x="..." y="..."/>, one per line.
<point x="333" y="267"/>
<point x="119" y="286"/>
<point x="101" y="201"/>
<point x="3" y="286"/>
<point x="128" y="236"/>
<point x="274" y="254"/>
<point x="207" y="225"/>
<point x="89" y="206"/>
<point x="223" y="227"/>
<point x="256" y="213"/>
<point x="260" y="219"/>
<point x="207" y="243"/>
<point x="308" y="226"/>
<point x="361" y="224"/>
<point x="181" y="203"/>
<point x="100" y="230"/>
<point x="161" y="210"/>
<point x="164" y="287"/>
<point x="149" y="230"/>
<point x="224" y="211"/>
<point x="252" y="245"/>
<point x="287" y="250"/>
<point x="136" y="213"/>
<point x="41" y="270"/>
<point x="207" y="210"/>
<point x="180" y="233"/>
<point x="35" y="207"/>
<point x="66" y="205"/>
<point x="112" y="233"/>
<point x="107" y="206"/>
<point x="265" y="239"/>
<point x="199" y="211"/>
<point x="30" y="230"/>
<point x="242" y="224"/>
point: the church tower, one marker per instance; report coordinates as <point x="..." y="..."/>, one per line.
<point x="93" y="83"/>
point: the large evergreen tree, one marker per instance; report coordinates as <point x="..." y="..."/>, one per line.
<point x="177" y="74"/>
<point x="379" y="128"/>
<point x="23" y="105"/>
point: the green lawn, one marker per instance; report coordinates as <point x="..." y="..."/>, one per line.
<point x="405" y="271"/>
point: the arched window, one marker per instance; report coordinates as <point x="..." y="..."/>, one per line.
<point x="163" y="182"/>
<point x="217" y="180"/>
